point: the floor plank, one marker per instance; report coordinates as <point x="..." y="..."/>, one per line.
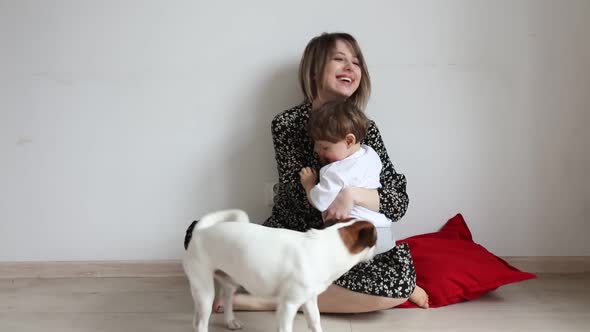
<point x="553" y="301"/>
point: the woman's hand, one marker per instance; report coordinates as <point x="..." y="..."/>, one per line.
<point x="341" y="206"/>
<point x="347" y="198"/>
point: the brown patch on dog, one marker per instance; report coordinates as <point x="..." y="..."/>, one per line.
<point x="358" y="236"/>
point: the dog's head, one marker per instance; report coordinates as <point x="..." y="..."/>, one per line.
<point x="359" y="236"/>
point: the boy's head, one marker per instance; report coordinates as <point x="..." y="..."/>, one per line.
<point x="337" y="129"/>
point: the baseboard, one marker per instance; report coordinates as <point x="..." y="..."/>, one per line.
<point x="550" y="264"/>
<point x="173" y="268"/>
<point x="90" y="269"/>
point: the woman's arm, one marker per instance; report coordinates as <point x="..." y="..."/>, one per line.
<point x="288" y="158"/>
<point x="368" y="198"/>
<point x="393" y="200"/>
<point x="347" y="198"/>
<point x="291" y="207"/>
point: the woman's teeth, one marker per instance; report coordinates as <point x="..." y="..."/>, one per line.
<point x="346" y="79"/>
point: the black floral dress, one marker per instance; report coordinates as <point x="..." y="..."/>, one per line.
<point x="389" y="274"/>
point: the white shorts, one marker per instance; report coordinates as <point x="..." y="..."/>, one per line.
<point x="385" y="239"/>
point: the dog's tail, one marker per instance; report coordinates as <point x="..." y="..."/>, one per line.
<point x="222" y="216"/>
<point x="212" y="219"/>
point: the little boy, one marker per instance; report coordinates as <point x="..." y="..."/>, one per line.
<point x="337" y="129"/>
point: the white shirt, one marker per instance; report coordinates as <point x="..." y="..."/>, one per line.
<point x="361" y="169"/>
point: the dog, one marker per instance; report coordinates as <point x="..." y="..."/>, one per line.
<point x="290" y="266"/>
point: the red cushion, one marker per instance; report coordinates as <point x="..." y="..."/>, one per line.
<point x="452" y="268"/>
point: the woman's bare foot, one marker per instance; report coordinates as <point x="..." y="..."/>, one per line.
<point x="419" y="297"/>
<point x="217" y="306"/>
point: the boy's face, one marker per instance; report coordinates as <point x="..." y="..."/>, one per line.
<point x="329" y="152"/>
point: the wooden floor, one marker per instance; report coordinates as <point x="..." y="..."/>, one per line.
<point x="551" y="303"/>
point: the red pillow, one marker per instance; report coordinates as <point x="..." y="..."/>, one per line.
<point x="452" y="268"/>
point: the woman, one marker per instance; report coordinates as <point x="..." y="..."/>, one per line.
<point x="333" y="68"/>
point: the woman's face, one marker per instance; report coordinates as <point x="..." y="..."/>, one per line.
<point x="342" y="73"/>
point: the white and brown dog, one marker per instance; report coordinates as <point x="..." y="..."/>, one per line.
<point x="292" y="267"/>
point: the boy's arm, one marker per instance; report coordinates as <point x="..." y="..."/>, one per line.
<point x="361" y="191"/>
<point x="321" y="194"/>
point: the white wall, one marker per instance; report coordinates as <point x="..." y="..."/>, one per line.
<point x="122" y="121"/>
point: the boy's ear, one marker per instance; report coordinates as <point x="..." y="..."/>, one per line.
<point x="350" y="139"/>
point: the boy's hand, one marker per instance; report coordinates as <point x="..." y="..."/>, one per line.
<point x="308" y="177"/>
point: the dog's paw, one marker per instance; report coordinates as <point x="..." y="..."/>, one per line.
<point x="234" y="324"/>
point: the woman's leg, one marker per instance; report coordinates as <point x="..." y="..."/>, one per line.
<point x="247" y="302"/>
<point x="335" y="299"/>
<point x="338" y="299"/>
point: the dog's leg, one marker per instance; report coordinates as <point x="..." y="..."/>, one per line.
<point x="203" y="292"/>
<point x="228" y="290"/>
<point x="286" y="312"/>
<point x="312" y="314"/>
<point x="195" y="294"/>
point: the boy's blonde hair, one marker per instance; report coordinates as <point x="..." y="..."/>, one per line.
<point x="314" y="61"/>
<point x="334" y="120"/>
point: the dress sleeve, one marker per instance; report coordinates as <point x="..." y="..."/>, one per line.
<point x="393" y="199"/>
<point x="291" y="207"/>
<point x="286" y="152"/>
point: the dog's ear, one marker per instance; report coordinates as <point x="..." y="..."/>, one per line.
<point x="332" y="222"/>
<point x="358" y="236"/>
